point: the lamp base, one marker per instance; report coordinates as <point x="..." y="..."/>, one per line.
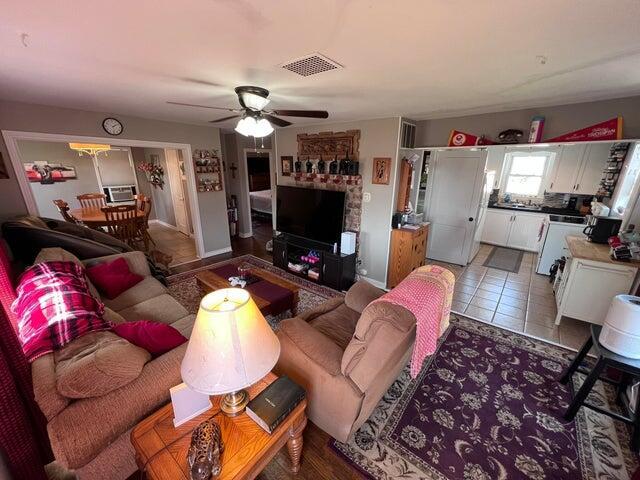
<point x="233" y="403"/>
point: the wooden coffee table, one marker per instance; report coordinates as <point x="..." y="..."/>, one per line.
<point x="210" y="281"/>
<point x="161" y="449"/>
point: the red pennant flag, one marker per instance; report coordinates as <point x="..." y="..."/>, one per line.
<point x="609" y="130"/>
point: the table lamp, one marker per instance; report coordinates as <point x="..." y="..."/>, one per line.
<point x="231" y="347"/>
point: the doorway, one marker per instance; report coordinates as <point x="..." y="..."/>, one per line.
<point x="260" y="193"/>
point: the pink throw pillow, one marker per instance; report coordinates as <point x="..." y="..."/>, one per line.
<point x="113" y="278"/>
<point x="155" y="337"/>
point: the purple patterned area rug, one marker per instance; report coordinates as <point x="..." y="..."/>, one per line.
<point x="487" y="405"/>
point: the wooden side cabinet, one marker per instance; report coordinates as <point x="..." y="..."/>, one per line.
<point x="408" y="252"/>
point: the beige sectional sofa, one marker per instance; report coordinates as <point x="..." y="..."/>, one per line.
<point x="95" y="390"/>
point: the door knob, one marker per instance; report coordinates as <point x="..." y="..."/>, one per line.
<point x="471" y="219"/>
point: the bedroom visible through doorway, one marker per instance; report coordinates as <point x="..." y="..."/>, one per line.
<point x="260" y="194"/>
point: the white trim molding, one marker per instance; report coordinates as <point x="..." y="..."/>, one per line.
<point x="375" y="283"/>
<point x="11" y="138"/>
<point x="219" y="251"/>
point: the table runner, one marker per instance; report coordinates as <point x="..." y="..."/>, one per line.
<point x="279" y="298"/>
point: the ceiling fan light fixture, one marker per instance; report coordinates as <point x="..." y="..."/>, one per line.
<point x="253" y="101"/>
<point x="246" y="126"/>
<point x="263" y="128"/>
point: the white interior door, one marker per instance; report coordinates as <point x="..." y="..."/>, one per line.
<point x="456" y="186"/>
<point x="177" y="194"/>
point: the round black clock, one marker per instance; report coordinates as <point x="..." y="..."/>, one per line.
<point x="112" y="126"/>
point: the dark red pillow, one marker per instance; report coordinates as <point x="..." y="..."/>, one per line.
<point x="113" y="278"/>
<point x="155" y="337"/>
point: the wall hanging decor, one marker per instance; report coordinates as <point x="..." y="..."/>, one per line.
<point x="208" y="170"/>
<point x="3" y="169"/>
<point x="154" y="173"/>
<point x="381" y="171"/>
<point x="608" y="130"/>
<point x="286" y="162"/>
<point x="47" y="173"/>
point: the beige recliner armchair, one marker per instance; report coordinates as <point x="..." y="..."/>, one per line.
<point x="346" y="353"/>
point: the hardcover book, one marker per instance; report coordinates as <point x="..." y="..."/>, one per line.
<point x="274" y="403"/>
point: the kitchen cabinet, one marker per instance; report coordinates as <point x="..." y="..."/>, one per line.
<point x="495" y="162"/>
<point x="496" y="226"/>
<point x="593" y="164"/>
<point x="512" y="229"/>
<point x="578" y="168"/>
<point x="566" y="167"/>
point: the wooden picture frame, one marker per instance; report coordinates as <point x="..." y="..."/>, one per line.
<point x="286" y="164"/>
<point x="4" y="173"/>
<point x="329" y="145"/>
<point x="381" y="171"/>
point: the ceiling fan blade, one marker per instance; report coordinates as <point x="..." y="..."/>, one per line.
<point x="224" y="119"/>
<point x="204" y="106"/>
<point x="276" y="121"/>
<point x="302" y="113"/>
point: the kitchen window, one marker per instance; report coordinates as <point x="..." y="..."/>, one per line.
<point x="526" y="172"/>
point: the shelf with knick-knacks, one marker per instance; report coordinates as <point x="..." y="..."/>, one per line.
<point x="208" y="170"/>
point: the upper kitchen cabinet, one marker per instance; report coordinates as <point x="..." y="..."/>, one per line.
<point x="566" y="168"/>
<point x="593" y="164"/>
<point x="495" y="162"/>
<point x="578" y="168"/>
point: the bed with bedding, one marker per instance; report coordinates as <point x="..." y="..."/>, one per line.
<point x="260" y="201"/>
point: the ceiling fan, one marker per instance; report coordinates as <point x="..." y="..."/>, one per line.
<point x="255" y="121"/>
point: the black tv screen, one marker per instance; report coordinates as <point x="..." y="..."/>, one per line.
<point x="313" y="214"/>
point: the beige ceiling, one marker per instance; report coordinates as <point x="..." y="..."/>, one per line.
<point x="422" y="59"/>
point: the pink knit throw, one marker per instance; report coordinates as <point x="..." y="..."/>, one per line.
<point x="426" y="292"/>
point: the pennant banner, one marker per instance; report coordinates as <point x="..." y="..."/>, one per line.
<point x="609" y="130"/>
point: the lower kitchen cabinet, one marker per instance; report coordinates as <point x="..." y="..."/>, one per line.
<point x="586" y="288"/>
<point x="512" y="229"/>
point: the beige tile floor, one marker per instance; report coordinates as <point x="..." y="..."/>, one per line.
<point x="174" y="243"/>
<point x="522" y="301"/>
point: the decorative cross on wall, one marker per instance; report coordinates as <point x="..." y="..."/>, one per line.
<point x="233" y="169"/>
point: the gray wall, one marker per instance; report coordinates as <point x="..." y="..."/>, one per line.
<point x="45" y="119"/>
<point x="378" y="138"/>
<point x="115" y="168"/>
<point x="558" y="121"/>
<point x="161" y="198"/>
<point x="56" y="152"/>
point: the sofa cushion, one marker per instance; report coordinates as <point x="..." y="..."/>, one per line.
<point x="96" y="364"/>
<point x="57" y="254"/>
<point x="146" y="289"/>
<point x="155" y="337"/>
<point x="185" y="325"/>
<point x="337" y="324"/>
<point x="361" y="294"/>
<point x="113" y="278"/>
<point x="163" y="308"/>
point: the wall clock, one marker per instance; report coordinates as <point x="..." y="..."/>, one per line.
<point x="112" y="126"/>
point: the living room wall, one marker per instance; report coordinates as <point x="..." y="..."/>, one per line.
<point x="559" y="120"/>
<point x="46" y="119"/>
<point x="378" y="138"/>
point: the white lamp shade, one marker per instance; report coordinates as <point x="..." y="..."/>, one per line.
<point x="231" y="347"/>
<point x="246" y="126"/>
<point x="263" y="128"/>
<point x="253" y="101"/>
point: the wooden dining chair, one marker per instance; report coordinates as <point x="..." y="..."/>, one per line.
<point x="143" y="204"/>
<point x="63" y="209"/>
<point x="92" y="201"/>
<point x="122" y="223"/>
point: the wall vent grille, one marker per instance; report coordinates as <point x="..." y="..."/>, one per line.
<point x="311" y="65"/>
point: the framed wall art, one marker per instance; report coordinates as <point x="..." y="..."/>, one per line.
<point x="381" y="171"/>
<point x="287" y="164"/>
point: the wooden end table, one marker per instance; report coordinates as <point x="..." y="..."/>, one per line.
<point x="161" y="449"/>
<point x="210" y="281"/>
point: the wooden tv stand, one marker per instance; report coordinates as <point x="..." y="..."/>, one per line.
<point x="336" y="270"/>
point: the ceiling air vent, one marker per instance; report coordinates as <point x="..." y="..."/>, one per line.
<point x="311" y="65"/>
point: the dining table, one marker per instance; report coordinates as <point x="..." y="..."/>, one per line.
<point x="94" y="217"/>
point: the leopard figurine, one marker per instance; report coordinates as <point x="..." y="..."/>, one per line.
<point x="205" y="451"/>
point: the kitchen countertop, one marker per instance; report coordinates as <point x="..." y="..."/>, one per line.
<point x="543" y="210"/>
<point x="580" y="247"/>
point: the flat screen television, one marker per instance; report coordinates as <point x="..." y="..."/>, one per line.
<point x="314" y="214"/>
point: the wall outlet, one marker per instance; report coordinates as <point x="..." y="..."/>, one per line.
<point x="366" y="197"/>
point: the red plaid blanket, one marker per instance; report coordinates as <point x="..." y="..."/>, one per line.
<point x="54" y="307"/>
